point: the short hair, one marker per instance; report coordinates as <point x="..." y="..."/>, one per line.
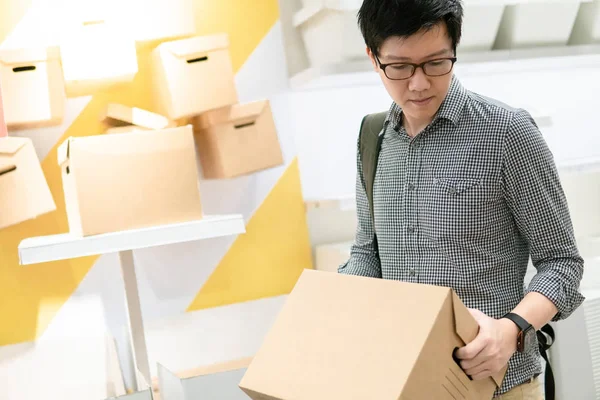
<point x="381" y="19"/>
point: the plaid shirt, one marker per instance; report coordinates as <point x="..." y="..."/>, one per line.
<point x="464" y="205"/>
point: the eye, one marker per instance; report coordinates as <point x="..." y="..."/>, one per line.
<point x="436" y="63"/>
<point x="400" y="67"/>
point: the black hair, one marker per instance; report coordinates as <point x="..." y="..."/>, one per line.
<point x="381" y="19"/>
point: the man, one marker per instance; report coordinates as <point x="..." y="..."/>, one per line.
<point x="466" y="190"/>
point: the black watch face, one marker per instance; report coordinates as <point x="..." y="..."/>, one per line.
<point x="529" y="339"/>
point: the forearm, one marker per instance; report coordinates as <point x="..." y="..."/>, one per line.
<point x="536" y="309"/>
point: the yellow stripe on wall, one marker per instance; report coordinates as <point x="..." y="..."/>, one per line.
<point x="268" y="259"/>
<point x="30" y="296"/>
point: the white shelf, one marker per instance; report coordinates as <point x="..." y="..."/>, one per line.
<point x="66" y="246"/>
<point x="361" y="72"/>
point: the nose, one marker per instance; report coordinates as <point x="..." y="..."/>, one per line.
<point x="419" y="82"/>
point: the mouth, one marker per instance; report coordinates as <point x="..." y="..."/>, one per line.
<point x="422" y="102"/>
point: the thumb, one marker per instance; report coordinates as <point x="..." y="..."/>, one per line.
<point x="472" y="349"/>
<point x="478" y="315"/>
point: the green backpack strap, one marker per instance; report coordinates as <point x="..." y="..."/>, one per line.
<point x="369" y="145"/>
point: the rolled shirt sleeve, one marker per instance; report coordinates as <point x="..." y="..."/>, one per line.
<point x="535" y="196"/>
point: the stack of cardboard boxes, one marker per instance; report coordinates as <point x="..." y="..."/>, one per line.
<point x="142" y="171"/>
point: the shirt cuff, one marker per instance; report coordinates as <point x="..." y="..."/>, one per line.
<point x="566" y="298"/>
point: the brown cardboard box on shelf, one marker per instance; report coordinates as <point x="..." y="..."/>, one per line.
<point x="32" y="87"/>
<point x="24" y="192"/>
<point x="349" y="337"/>
<point x="97" y="55"/>
<point x="237" y="140"/>
<point x="129" y="181"/>
<point x="193" y="75"/>
<point x="131" y="119"/>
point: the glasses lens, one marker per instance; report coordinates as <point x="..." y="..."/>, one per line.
<point x="399" y="71"/>
<point x="438" y="67"/>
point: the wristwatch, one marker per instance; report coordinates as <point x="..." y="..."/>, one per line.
<point x="526" y="336"/>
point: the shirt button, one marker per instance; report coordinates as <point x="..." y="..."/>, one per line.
<point x="411" y="229"/>
<point x="411" y="186"/>
<point x="412" y="272"/>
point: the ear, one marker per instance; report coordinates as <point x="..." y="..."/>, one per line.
<point x="373" y="60"/>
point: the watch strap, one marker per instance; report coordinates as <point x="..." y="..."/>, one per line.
<point x="519" y="321"/>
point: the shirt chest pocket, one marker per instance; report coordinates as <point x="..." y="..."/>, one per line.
<point x="459" y="207"/>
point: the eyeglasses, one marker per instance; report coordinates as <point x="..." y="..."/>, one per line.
<point x="401" y="71"/>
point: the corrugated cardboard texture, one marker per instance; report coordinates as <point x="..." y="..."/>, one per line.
<point x="348" y="337"/>
<point x="24" y="193"/>
<point x="33" y="87"/>
<point x="192" y="76"/>
<point x="129" y="181"/>
<point x="237" y="140"/>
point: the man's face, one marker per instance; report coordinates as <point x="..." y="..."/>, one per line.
<point x="419" y="96"/>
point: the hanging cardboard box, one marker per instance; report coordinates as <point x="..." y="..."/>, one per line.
<point x="97" y="55"/>
<point x="134" y="118"/>
<point x="320" y="346"/>
<point x="32" y="87"/>
<point x="237" y="140"/>
<point x="193" y="75"/>
<point x="161" y="19"/>
<point x="24" y="192"/>
<point x="130" y="181"/>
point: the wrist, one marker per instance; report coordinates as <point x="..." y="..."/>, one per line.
<point x="510" y="332"/>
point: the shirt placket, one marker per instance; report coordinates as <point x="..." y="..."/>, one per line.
<point x="411" y="187"/>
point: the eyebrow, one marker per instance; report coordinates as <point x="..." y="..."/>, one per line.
<point x="437" y="53"/>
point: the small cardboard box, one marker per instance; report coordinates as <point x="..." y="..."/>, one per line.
<point x="129" y="181"/>
<point x="32" y="87"/>
<point x="24" y="192"/>
<point x="219" y="381"/>
<point x="349" y="337"/>
<point x="97" y="55"/>
<point x="237" y="140"/>
<point x="161" y="19"/>
<point x="119" y="115"/>
<point x="193" y="75"/>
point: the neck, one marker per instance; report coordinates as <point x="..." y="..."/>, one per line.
<point x="414" y="127"/>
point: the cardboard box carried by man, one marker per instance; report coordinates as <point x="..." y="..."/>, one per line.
<point x="348" y="337"/>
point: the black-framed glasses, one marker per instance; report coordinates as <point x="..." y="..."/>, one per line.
<point x="401" y="71"/>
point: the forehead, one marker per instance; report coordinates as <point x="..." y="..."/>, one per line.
<point x="418" y="45"/>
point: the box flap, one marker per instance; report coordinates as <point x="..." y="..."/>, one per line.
<point x="63" y="151"/>
<point x="237" y="113"/>
<point x="120" y="114"/>
<point x="10" y="145"/>
<point x="467" y="329"/>
<point x="200" y="45"/>
<point x="28" y="56"/>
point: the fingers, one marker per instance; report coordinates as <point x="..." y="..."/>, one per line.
<point x="481" y="375"/>
<point x="471" y="350"/>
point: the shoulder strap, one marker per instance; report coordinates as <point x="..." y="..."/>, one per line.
<point x="369" y="145"/>
<point x="546" y="338"/>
